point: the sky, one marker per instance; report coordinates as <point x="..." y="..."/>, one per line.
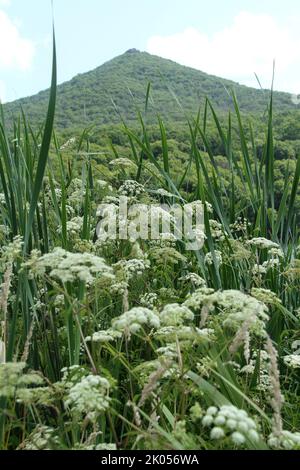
<point x="232" y="39"/>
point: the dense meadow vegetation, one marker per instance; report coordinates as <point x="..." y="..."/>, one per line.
<point x="131" y="344"/>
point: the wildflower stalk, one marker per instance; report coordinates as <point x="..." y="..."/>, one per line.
<point x="277" y="399"/>
<point x="94" y="368"/>
<point x="5" y="288"/>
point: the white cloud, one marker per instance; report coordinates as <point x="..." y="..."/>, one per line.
<point x="16" y="52"/>
<point x="5" y="3"/>
<point x="247" y="46"/>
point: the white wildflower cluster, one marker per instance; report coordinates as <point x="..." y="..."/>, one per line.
<point x="12" y="377"/>
<point x="138" y="253"/>
<point x="198" y="206"/>
<point x="286" y="441"/>
<point x="163" y="193"/>
<point x="239" y="307"/>
<point x="264" y="381"/>
<point x="153" y="371"/>
<point x="131" y="188"/>
<point x="196" y="412"/>
<point x="103" y="186"/>
<point x="293" y="271"/>
<point x="164" y="240"/>
<point x="110" y="201"/>
<point x="131" y="268"/>
<point x="239" y="251"/>
<point x="74" y="227"/>
<point x="200" y="298"/>
<point x="58" y="194"/>
<point x="149" y="300"/>
<point x="122" y="164"/>
<point x="194" y="279"/>
<point x="59" y="302"/>
<point x="170" y="351"/>
<point x="272" y="263"/>
<point x="169" y="334"/>
<point x="119" y="288"/>
<point x="175" y="315"/>
<point x="194" y="206"/>
<point x="230" y="422"/>
<point x="292" y="361"/>
<point x="76" y="192"/>
<point x="10" y="374"/>
<point x="205" y="366"/>
<point x="2" y="198"/>
<point x="89" y="397"/>
<point x="71" y="267"/>
<point x="84" y="246"/>
<point x="264" y="384"/>
<point x="296" y="346"/>
<point x="12" y="251"/>
<point x="240" y="225"/>
<point x="51" y="187"/>
<point x="71" y="375"/>
<point x="135" y="320"/>
<point x="217" y="230"/>
<point x="259" y="269"/>
<point x="262" y="243"/>
<point x="42" y="438"/>
<point x="209" y="259"/>
<point x="266" y="296"/>
<point x="167" y="294"/>
<point x="276" y="253"/>
<point x="166" y="255"/>
<point x="235" y="306"/>
<point x="4" y="232"/>
<point x="209" y="207"/>
<point x="104" y="336"/>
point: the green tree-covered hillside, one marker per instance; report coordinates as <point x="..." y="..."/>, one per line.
<point x="87" y="98"/>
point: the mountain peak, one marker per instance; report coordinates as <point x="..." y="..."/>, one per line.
<point x="132" y="51"/>
<point x="87" y="98"/>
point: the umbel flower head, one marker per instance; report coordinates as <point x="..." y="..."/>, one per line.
<point x="229" y="421"/>
<point x="234" y="308"/>
<point x="135" y="320"/>
<point x="262" y="243"/>
<point x="292" y="361"/>
<point x="13" y="378"/>
<point x="70" y="267"/>
<point x="89" y="397"/>
<point x="286" y="440"/>
<point x="12" y="251"/>
<point x="194" y="279"/>
<point x="42" y="438"/>
<point x="175" y="314"/>
<point x="131" y="188"/>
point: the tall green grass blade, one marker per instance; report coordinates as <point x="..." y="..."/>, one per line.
<point x="43" y="157"/>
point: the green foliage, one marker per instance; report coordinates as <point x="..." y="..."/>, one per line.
<point x="87" y="98"/>
<point x="143" y="344"/>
